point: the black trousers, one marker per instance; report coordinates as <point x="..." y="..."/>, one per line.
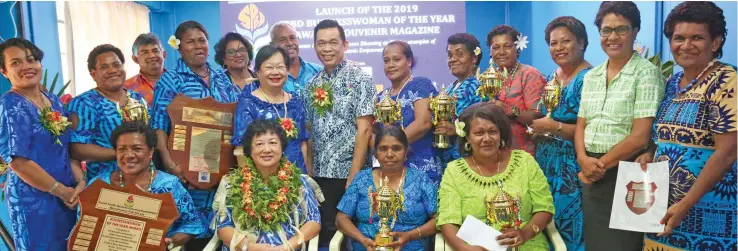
<point x="597" y="207"/>
<point x="333" y="190"/>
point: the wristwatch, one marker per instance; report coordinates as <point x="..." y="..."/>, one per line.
<point x="560" y="125"/>
<point x="245" y="246"/>
<point x="536" y="229"/>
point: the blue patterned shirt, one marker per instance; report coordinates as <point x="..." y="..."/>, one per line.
<point x="307" y="71"/>
<point x="183" y="80"/>
<point x="98" y="117"/>
<point x="333" y="134"/>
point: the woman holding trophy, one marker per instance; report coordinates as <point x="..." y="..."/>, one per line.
<point x="494" y="183"/>
<point x="408" y="219"/>
<point x="567" y="40"/>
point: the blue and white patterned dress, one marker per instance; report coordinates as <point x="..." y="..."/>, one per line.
<point x="251" y="108"/>
<point x="466" y="95"/>
<point x="421" y="203"/>
<point x="182" y="80"/>
<point x="33" y="212"/>
<point x="189" y="221"/>
<point x="421" y="154"/>
<point x="98" y="117"/>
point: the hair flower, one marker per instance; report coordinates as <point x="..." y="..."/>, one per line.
<point x="477" y="51"/>
<point x="460" y="127"/>
<point x="522" y="42"/>
<point x="173" y="42"/>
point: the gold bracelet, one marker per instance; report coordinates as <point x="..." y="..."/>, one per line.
<point x="536" y="229"/>
<point x="53" y="187"/>
<point x="172" y="166"/>
<point x="419" y="233"/>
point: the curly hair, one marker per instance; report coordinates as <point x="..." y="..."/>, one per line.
<point x="24" y="45"/>
<point x="220" y="47"/>
<point x="502" y="30"/>
<point x="469" y="41"/>
<point x="136" y="126"/>
<point x="626" y="9"/>
<point x="491" y="113"/>
<point x="259" y="127"/>
<point x="701" y="13"/>
<point x="100" y="49"/>
<point x="188" y="25"/>
<point x="572" y="24"/>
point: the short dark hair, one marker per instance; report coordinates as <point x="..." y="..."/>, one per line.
<point x="268" y="51"/>
<point x="701" y="13"/>
<point x="392" y="131"/>
<point x="220" y="47"/>
<point x="100" y="49"/>
<point x="626" y="9"/>
<point x="24" y="45"/>
<point x="469" y="41"/>
<point x="136" y="126"/>
<point x="572" y="24"/>
<point x="491" y="113"/>
<point x="406" y="50"/>
<point x="503" y="30"/>
<point x="145" y="39"/>
<point x="259" y="127"/>
<point x="188" y="25"/>
<point x="327" y="24"/>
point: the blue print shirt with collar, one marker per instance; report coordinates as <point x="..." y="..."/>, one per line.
<point x="307" y="71"/>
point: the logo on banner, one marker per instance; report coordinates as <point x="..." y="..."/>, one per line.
<point x="253" y="26"/>
<point x="640" y="196"/>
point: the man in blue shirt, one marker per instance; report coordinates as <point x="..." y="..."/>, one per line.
<point x="285" y="36"/>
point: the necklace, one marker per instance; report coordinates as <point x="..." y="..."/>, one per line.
<point x="207" y="72"/>
<point x="402" y="180"/>
<point x="43" y="100"/>
<point x="480" y="169"/>
<point x="510" y="77"/>
<point x="410" y="78"/>
<point x="270" y="102"/>
<point x="151" y="179"/>
<point x="694" y="81"/>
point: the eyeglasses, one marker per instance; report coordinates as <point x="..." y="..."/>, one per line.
<point x="620" y="30"/>
<point x="232" y="52"/>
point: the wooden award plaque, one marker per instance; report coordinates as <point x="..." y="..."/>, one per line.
<point x="122" y="219"/>
<point x="200" y="139"/>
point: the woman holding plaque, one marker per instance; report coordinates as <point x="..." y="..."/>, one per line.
<point x="234" y="53"/>
<point x="193" y="77"/>
<point x="266" y="204"/>
<point x="464" y="56"/>
<point x="521" y="92"/>
<point x="269" y="101"/>
<point x="42" y="181"/>
<point x="412" y="93"/>
<point x="414" y="222"/>
<point x="134" y="144"/>
<point x="567" y="40"/>
<point x="491" y="173"/>
<point x="699" y="145"/>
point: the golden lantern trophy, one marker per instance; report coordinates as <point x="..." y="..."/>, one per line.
<point x="134" y="110"/>
<point x="503" y="210"/>
<point x="385" y="202"/>
<point x="443" y="108"/>
<point x="550" y="99"/>
<point x="490" y="81"/>
<point x="388" y="111"/>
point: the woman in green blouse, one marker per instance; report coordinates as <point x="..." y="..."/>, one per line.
<point x="489" y="165"/>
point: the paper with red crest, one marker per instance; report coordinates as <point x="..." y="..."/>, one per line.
<point x="641" y="198"/>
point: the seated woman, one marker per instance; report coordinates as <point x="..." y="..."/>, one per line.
<point x="134" y="144"/>
<point x="268" y="100"/>
<point x="420" y="205"/>
<point x="285" y="214"/>
<point x="490" y="166"/>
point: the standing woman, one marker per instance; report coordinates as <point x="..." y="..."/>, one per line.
<point x="269" y="101"/>
<point x="412" y="93"/>
<point x="521" y="92"/>
<point x="234" y="53"/>
<point x="195" y="78"/>
<point x="42" y="182"/>
<point x="699" y="145"/>
<point x="619" y="102"/>
<point x="567" y="40"/>
<point x="464" y="56"/>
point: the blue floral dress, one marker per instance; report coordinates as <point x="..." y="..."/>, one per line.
<point x="32" y="211"/>
<point x="466" y="95"/>
<point x="189" y="221"/>
<point x="421" y="155"/>
<point x="98" y="117"/>
<point x="421" y="203"/>
<point x="251" y="108"/>
<point x="558" y="160"/>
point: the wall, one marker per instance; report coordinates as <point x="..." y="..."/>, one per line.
<point x="10" y="27"/>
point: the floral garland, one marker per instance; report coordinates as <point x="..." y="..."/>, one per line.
<point x="53" y="122"/>
<point x="322" y="97"/>
<point x="263" y="205"/>
<point x="288" y="125"/>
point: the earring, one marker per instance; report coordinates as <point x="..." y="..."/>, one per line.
<point x="467" y="147"/>
<point x="502" y="144"/>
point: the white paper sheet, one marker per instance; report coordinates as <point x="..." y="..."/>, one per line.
<point x="475" y="232"/>
<point x="633" y="208"/>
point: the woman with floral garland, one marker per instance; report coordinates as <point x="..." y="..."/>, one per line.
<point x="42" y="181"/>
<point x="269" y="101"/>
<point x="265" y="204"/>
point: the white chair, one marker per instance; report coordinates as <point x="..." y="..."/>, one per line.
<point x="553" y="233"/>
